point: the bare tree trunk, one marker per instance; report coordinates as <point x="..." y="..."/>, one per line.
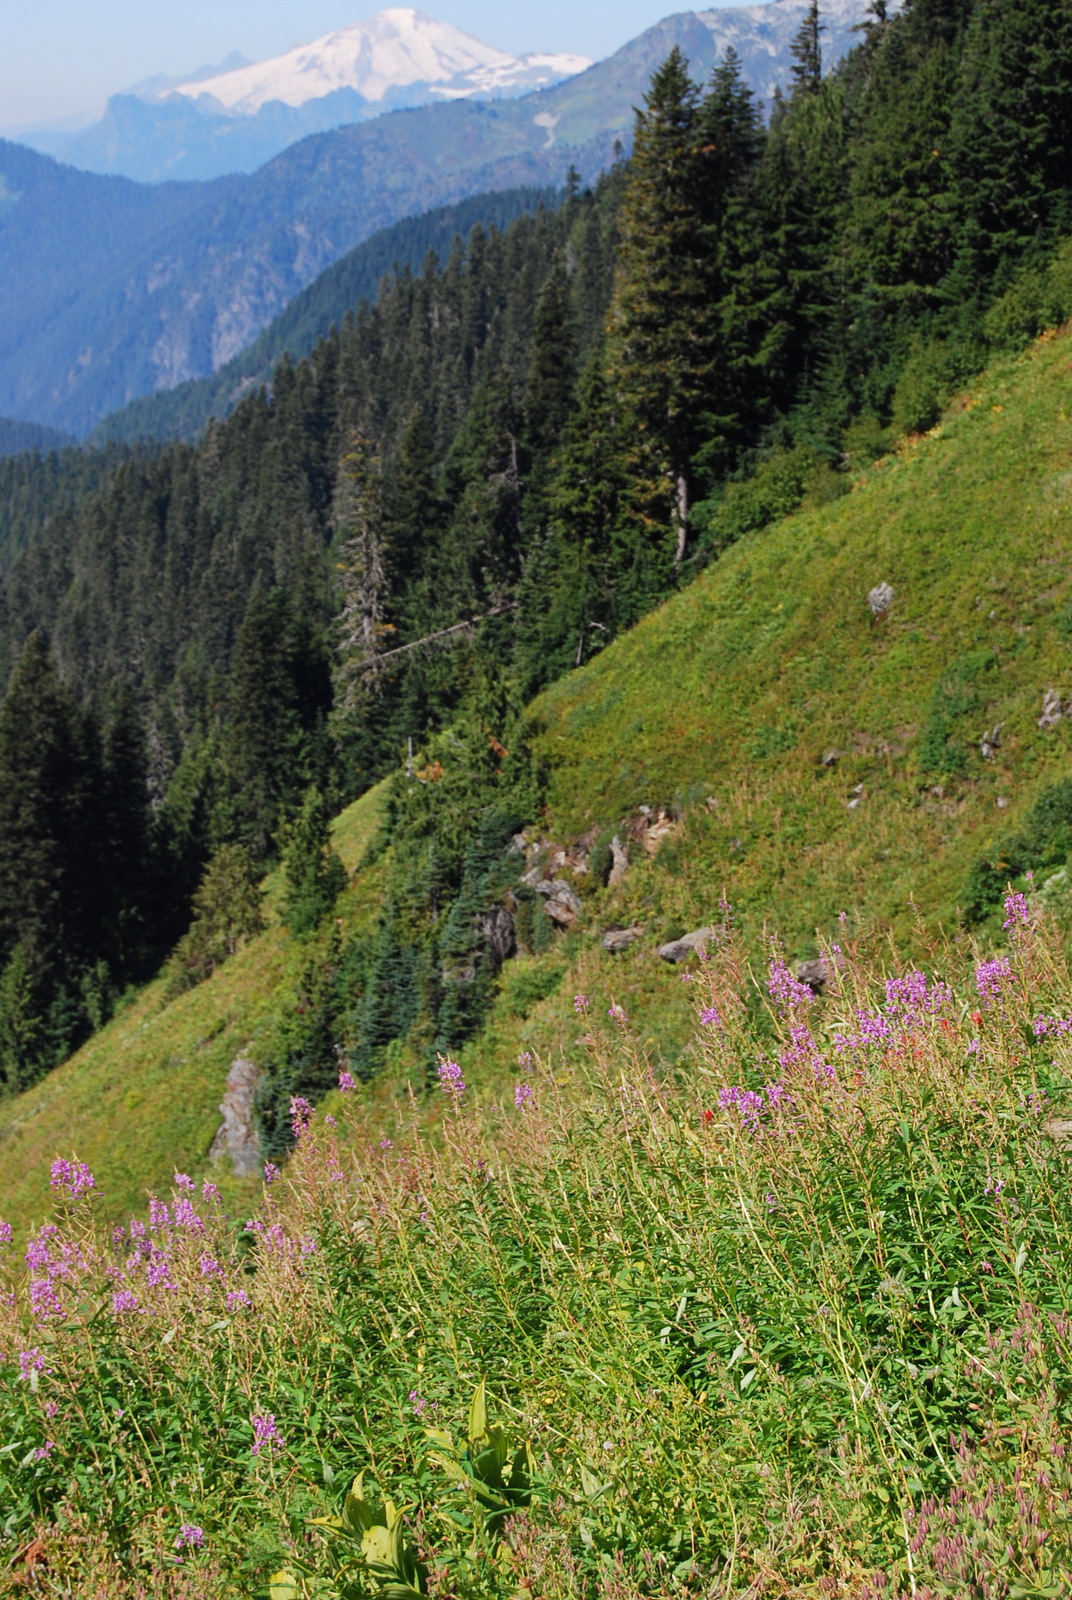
<point x="681" y="508"/>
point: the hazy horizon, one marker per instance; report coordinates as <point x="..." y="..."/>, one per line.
<point x="63" y="59"/>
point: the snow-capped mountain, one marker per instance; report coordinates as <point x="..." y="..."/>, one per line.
<point x="396" y="50"/>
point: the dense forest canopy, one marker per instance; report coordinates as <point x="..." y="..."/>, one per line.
<point x="474" y="484"/>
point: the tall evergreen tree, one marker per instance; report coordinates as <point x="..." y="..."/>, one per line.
<point x="262" y="731"/>
<point x="549" y="393"/>
<point x="39" y="804"/>
<point x="662" y="317"/>
<point x="807" y="53"/>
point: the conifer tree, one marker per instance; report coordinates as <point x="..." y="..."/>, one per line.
<point x="262" y="733"/>
<point x="315" y="875"/>
<point x="38" y="832"/>
<point x="549" y="393"/>
<point x="359" y="517"/>
<point x="807" y="53"/>
<point x="123" y="832"/>
<point x="661" y="318"/>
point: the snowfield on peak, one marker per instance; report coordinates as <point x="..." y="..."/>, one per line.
<point x="394" y="50"/>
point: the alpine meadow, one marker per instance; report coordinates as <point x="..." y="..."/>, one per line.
<point x="536" y="884"/>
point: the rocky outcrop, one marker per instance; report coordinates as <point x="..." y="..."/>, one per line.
<point x="563" y="904"/>
<point x="615" y="940"/>
<point x="237" y="1136"/>
<point x="699" y="942"/>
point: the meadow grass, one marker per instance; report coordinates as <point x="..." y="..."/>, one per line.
<point x="789" y="1319"/>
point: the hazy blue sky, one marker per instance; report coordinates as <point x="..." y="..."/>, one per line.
<point x="61" y="57"/>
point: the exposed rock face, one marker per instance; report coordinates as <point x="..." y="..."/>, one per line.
<point x="563" y="905"/>
<point x="696" y="943"/>
<point x="619" y="862"/>
<point x="991" y="743"/>
<point x="237" y="1136"/>
<point x="650" y="827"/>
<point x="616" y="940"/>
<point x="880" y="599"/>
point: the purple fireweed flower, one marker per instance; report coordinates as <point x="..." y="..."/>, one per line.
<point x="346" y="1082"/>
<point x="301" y="1113"/>
<point x="329" y="1120"/>
<point x="5" y="1233"/>
<point x="45" y="1450"/>
<point x="524" y="1060"/>
<point x="450" y="1078"/>
<point x="74" y="1176"/>
<point x="709" y="1018"/>
<point x="159" y="1216"/>
<point x="746" y="1102"/>
<point x="580" y="1004"/>
<point x="51" y="1407"/>
<point x="158" y="1272"/>
<point x="387" y="1144"/>
<point x="265" y="1432"/>
<point x="236" y="1298"/>
<point x="335" y="1174"/>
<point x="186" y="1217"/>
<point x="308" y="1245"/>
<point x="973" y="1047"/>
<point x="124" y="1300"/>
<point x="418" y="1403"/>
<point x="989" y="977"/>
<point x="30" y="1361"/>
<point x="190" y="1537"/>
<point x="44" y="1301"/>
<point x="209" y="1266"/>
<point x="909" y="1000"/>
<point x="1016" y="911"/>
<point x="210" y="1193"/>
<point x="523" y="1096"/>
<point x="38" y="1258"/>
<point x="616" y="1014"/>
<point x="873" y="1030"/>
<point x="271" y="1172"/>
<point x="785" y="990"/>
<point x="995" y="1186"/>
<point x="803" y="1051"/>
<point x="181" y="1181"/>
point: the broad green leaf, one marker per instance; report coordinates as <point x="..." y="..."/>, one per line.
<point x="283" y="1585"/>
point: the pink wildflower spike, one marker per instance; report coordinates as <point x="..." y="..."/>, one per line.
<point x="450" y="1079"/>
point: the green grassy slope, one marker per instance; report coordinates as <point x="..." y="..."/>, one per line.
<point x="723" y="703"/>
<point x="142" y="1097"/>
<point x="720" y="707"/>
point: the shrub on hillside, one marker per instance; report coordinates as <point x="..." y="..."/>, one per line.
<point x="227" y="912"/>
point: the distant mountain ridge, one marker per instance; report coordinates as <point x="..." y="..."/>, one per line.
<point x="235" y="118"/>
<point x="111" y="290"/>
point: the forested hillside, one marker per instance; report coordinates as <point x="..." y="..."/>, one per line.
<point x="181" y="413"/>
<point x="476" y="483"/>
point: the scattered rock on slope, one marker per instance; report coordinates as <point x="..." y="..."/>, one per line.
<point x="563" y="904"/>
<point x="880" y="599"/>
<point x="690" y="944"/>
<point x="616" y="940"/>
